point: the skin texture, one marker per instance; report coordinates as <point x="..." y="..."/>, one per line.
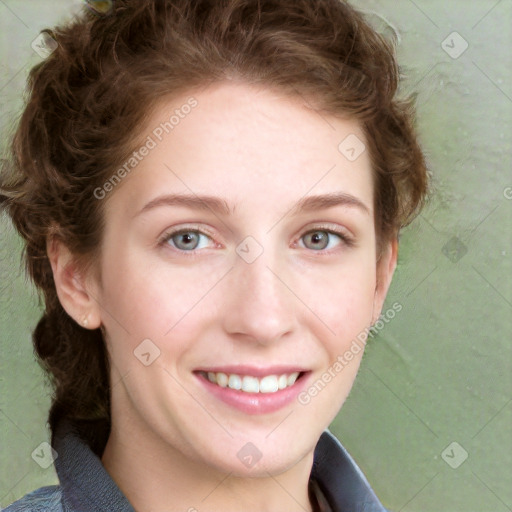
<point x="174" y="445"/>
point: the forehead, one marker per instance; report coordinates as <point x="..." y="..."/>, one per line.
<point x="249" y="143"/>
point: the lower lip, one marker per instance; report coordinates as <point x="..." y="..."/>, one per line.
<point x="256" y="403"/>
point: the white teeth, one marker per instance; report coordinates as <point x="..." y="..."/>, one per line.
<point x="269" y="384"/>
<point x="283" y="381"/>
<point x="249" y="384"/>
<point x="235" y="382"/>
<point x="222" y="379"/>
<point x="292" y="378"/>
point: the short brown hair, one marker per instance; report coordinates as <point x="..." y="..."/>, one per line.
<point x="89" y="98"/>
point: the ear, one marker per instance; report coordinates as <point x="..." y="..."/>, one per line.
<point x="386" y="265"/>
<point x="74" y="296"/>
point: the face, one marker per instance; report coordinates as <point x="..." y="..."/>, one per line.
<point x="248" y="281"/>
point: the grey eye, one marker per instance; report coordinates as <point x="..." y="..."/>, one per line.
<point x="319" y="240"/>
<point x="186" y="240"/>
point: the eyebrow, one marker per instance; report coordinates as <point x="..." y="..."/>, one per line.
<point x="320" y="202"/>
<point x="203" y="202"/>
<point x="221" y="206"/>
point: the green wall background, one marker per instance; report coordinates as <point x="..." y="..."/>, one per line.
<point x="440" y="371"/>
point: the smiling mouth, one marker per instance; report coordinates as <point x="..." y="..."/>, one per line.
<point x="250" y="384"/>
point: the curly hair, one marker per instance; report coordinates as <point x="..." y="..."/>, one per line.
<point x="88" y="99"/>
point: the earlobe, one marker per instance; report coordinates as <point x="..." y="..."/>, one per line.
<point x="74" y="295"/>
<point x="385" y="269"/>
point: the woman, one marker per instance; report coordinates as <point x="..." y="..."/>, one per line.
<point x="210" y="196"/>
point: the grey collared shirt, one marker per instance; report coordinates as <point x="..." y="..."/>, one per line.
<point x="85" y="485"/>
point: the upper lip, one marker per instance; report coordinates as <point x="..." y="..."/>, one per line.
<point x="253" y="371"/>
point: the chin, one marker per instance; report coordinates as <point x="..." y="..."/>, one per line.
<point x="260" y="454"/>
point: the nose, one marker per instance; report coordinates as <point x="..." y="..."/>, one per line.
<point x="259" y="306"/>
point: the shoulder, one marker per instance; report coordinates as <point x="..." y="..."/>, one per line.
<point x="44" y="499"/>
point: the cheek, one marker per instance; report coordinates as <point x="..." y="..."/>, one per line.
<point x="351" y="304"/>
<point x="344" y="304"/>
<point x="341" y="297"/>
<point x="149" y="299"/>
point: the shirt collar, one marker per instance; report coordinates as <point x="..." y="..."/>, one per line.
<point x="86" y="485"/>
<point x="339" y="478"/>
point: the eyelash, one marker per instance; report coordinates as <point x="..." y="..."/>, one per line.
<point x="346" y="240"/>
